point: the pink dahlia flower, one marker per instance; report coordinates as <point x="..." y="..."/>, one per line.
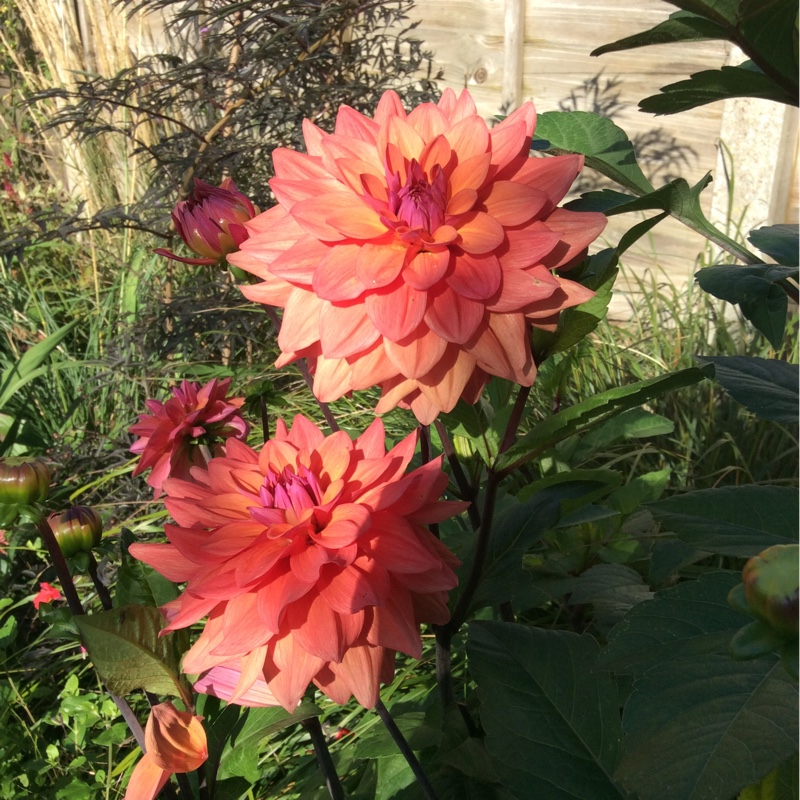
<point x="186" y="430"/>
<point x="414" y="251"/>
<point x="310" y="559"/>
<point x="211" y="222"/>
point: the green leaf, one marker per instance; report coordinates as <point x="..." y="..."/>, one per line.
<point x="138" y="583"/>
<point x="551" y="722"/>
<point x="605" y="145"/>
<point x="241" y="751"/>
<point x="691" y="618"/>
<point x="779" y="242"/>
<point x="642" y="489"/>
<point x="766" y="386"/>
<point x="780" y="784"/>
<point x="637" y="423"/>
<point x="712" y="85"/>
<point x="706" y="726"/>
<point x="591" y="412"/>
<point x="474" y="422"/>
<point x="612" y="589"/>
<point x="723" y="12"/>
<point x="681" y="26"/>
<point x="756" y="290"/>
<point x="732" y="520"/>
<point x="26" y="369"/>
<point x="125" y="647"/>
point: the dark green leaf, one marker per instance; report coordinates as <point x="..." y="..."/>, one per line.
<point x="707" y="726"/>
<point x="681" y="26"/>
<point x="779" y="242"/>
<point x="766" y="386"/>
<point x="712" y="85"/>
<point x="377" y="743"/>
<point x="723" y="12"/>
<point x="689" y="619"/>
<point x="637" y="423"/>
<point x="605" y="145"/>
<point x="642" y="489"/>
<point x="732" y="520"/>
<point x="587" y="414"/>
<point x="612" y="589"/>
<point x="755" y="289"/>
<point x="551" y="722"/>
<point x="138" y="583"/>
<point x="125" y="647"/>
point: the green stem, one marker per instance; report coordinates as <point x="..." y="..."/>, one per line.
<point x="324" y="760"/>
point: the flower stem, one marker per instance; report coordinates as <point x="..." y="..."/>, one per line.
<point x="516" y="417"/>
<point x="102" y="591"/>
<point x="75" y="606"/>
<point x="324" y="760"/>
<point x="405" y="749"/>
<point x="464" y="487"/>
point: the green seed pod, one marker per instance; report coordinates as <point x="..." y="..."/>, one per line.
<point x="77" y="530"/>
<point x="23" y="481"/>
<point x="771" y="581"/>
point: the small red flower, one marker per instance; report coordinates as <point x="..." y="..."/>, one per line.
<point x="46" y="594"/>
<point x="211" y="222"/>
<point x="186" y="430"/>
<point x="341" y="733"/>
<point x="311" y="560"/>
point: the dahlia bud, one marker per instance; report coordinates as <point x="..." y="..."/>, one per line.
<point x="771" y="582"/>
<point x="23" y="481"/>
<point x="211" y="222"/>
<point x="77" y="530"/>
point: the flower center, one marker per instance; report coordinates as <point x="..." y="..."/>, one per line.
<point x="420" y="204"/>
<point x="290" y="491"/>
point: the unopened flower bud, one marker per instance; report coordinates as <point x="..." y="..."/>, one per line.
<point x="23" y="481"/>
<point x="77" y="530"/>
<point x="771" y="582"/>
<point x="211" y="222"/>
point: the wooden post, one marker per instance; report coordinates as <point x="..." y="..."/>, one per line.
<point x="513" y="62"/>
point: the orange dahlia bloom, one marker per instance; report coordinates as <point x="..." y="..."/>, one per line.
<point x="414" y="251"/>
<point x="175" y="742"/>
<point x="310" y="560"/>
<point x="184" y="432"/>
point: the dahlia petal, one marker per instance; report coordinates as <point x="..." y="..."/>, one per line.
<point x="551" y="174"/>
<point x="431" y="607"/>
<point x="241" y="628"/>
<point x="522" y="122"/>
<point x="416" y="354"/>
<point x="291" y="192"/>
<point x="373" y="185"/>
<point x="147" y="780"/>
<point x="300" y="324"/>
<point x="350" y="589"/>
<point x="394" y="544"/>
<point x="372" y="443"/>
<point x="331" y="379"/>
<point x="428" y="121"/>
<point x="479" y="233"/>
<point x="475" y="277"/>
<point x="393" y="624"/>
<point x="389" y="105"/>
<point x="356" y="220"/>
<point x="333" y="456"/>
<point x="426" y="269"/>
<point x="462" y="202"/>
<point x="198" y="658"/>
<point x="512" y="333"/>
<point x="378" y="264"/>
<point x="297" y="166"/>
<point x="470" y="173"/>
<point x="513" y="203"/>
<point x="577" y="230"/>
<point x="221" y="681"/>
<point x="312" y="214"/>
<point x="348" y="522"/>
<point x="313" y="136"/>
<point x="165" y="559"/>
<point x="314" y="628"/>
<point x="393" y="391"/>
<point x="521" y="288"/>
<point x="352" y="123"/>
<point x="290" y="672"/>
<point x="304" y="434"/>
<point x="438" y="511"/>
<point x="396" y="311"/>
<point x="568" y="294"/>
<point x="527" y="246"/>
<point x="489" y="353"/>
<point x="445" y="382"/>
<point x="336" y="689"/>
<point x="469" y="137"/>
<point x="251" y="669"/>
<point x="453" y="317"/>
<point x="371" y="368"/>
<point x="275" y="596"/>
<point x="396" y="131"/>
<point x="457" y="108"/>
<point x="299" y="262"/>
<point x="360" y="670"/>
<point x="271" y="292"/>
<point x="186" y="610"/>
<point x="437" y="152"/>
<point x="307" y="564"/>
<point x="345" y="330"/>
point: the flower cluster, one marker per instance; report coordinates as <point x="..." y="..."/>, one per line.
<point x="186" y="430"/>
<point x="310" y="559"/>
<point x="414" y="251"/>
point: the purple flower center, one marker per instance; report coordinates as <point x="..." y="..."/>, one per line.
<point x="420" y="203"/>
<point x="291" y="491"/>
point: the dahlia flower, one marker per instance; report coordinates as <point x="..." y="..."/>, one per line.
<point x="310" y="560"/>
<point x="175" y="741"/>
<point x="186" y="430"/>
<point x="414" y="251"/>
<point x="211" y="222"/>
<point x="46" y="594"/>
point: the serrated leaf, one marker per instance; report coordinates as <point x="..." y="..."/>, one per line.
<point x="688" y="619"/>
<point x="766" y="386"/>
<point x="780" y="242"/>
<point x="605" y="145"/>
<point x="712" y="85"/>
<point x="732" y="520"/>
<point x="755" y="289"/>
<point x="127" y="651"/>
<point x="682" y="26"/>
<point x="551" y="722"/>
<point x="706" y="727"/>
<point x="591" y="412"/>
